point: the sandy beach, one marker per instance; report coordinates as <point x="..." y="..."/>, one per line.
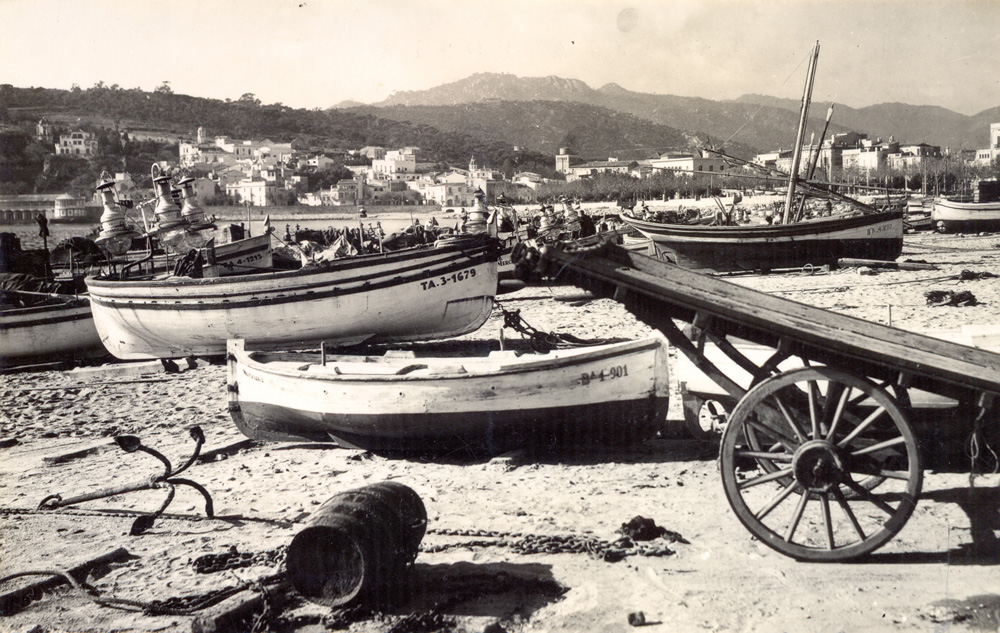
<point x="56" y="429"/>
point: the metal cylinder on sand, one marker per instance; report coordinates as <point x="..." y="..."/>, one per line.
<point x="358" y="542"/>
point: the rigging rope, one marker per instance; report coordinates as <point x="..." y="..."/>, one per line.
<point x="761" y="106"/>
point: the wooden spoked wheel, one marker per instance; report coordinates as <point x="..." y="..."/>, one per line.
<point x="819" y="434"/>
<point x="855" y="401"/>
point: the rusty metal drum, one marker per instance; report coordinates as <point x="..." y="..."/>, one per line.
<point x="357" y="543"/>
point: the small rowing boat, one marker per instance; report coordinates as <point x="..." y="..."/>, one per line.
<point x="452" y="396"/>
<point x="37" y="327"/>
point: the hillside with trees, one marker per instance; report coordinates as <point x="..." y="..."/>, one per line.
<point x="545" y="126"/>
<point x="757" y="121"/>
<point x="111" y="111"/>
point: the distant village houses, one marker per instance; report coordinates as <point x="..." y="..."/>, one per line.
<point x="78" y="144"/>
<point x="989" y="155"/>
<point x="255" y="171"/>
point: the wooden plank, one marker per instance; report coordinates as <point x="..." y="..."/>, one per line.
<point x="229" y="614"/>
<point x="766" y="316"/>
<point x="15" y="600"/>
<point x="877" y="263"/>
<point x="62" y="458"/>
<point x="226" y="451"/>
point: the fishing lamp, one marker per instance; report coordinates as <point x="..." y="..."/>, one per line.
<point x="571" y="217"/>
<point x="116" y="236"/>
<point x="168" y="214"/>
<point x="479" y="214"/>
<point x="190" y="211"/>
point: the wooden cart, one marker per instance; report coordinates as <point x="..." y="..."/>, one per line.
<point x="823" y="462"/>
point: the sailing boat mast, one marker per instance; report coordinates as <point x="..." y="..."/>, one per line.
<point x="797" y="152"/>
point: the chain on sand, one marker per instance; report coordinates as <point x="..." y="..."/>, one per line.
<point x="521" y="543"/>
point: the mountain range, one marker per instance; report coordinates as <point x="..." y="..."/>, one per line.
<point x="553" y="105"/>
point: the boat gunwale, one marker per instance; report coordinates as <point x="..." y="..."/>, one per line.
<point x="280" y="295"/>
<point x="648" y="343"/>
<point x="69" y="303"/>
<point x="337" y="266"/>
<point x="656" y="230"/>
<point x="12" y="325"/>
<point x="966" y="206"/>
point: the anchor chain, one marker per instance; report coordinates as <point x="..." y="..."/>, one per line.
<point x="541" y="341"/>
<point x="185" y="605"/>
<point x="233" y="559"/>
<point x="521" y="543"/>
<point x="178" y="605"/>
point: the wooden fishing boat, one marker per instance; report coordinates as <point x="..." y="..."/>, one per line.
<point x="39" y="327"/>
<point x="790" y="243"/>
<point x="419" y="293"/>
<point x="979" y="212"/>
<point x="242" y="256"/>
<point x="773" y="246"/>
<point x="445" y="397"/>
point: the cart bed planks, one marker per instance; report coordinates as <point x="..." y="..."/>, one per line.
<point x="820" y="463"/>
<point x="754" y="315"/>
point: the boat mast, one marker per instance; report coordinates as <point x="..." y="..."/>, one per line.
<point x="814" y="160"/>
<point x="797" y="152"/>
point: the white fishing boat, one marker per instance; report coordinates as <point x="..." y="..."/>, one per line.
<point x="424" y="292"/>
<point x="979" y="212"/>
<point x="448" y="396"/>
<point x="37" y="327"/>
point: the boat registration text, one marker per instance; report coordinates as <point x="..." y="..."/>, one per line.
<point x="881" y="228"/>
<point x="618" y="371"/>
<point x="453" y="278"/>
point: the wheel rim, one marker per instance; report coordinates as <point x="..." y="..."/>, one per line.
<point x="901" y="400"/>
<point x="804" y="495"/>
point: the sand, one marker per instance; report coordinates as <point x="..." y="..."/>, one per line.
<point x="720" y="579"/>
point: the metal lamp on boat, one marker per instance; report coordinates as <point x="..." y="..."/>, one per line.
<point x="172" y="227"/>
<point x="168" y="214"/>
<point x="479" y="215"/>
<point x="116" y="236"/>
<point x="571" y="217"/>
<point x="191" y="212"/>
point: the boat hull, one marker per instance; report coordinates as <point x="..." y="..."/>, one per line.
<point x="61" y="331"/>
<point x="949" y="215"/>
<point x="414" y="294"/>
<point x="241" y="256"/>
<point x="488" y="404"/>
<point x="766" y="247"/>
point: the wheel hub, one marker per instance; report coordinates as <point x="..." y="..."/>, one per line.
<point x="817" y="466"/>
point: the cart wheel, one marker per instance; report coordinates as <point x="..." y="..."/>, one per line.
<point x="824" y="439"/>
<point x="853" y="402"/>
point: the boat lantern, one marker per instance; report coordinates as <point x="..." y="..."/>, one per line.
<point x="190" y="210"/>
<point x="571" y="216"/>
<point x="479" y="214"/>
<point x="168" y="214"/>
<point x="547" y="223"/>
<point x="116" y="236"/>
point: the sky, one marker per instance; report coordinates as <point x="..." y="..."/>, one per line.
<point x="317" y="53"/>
